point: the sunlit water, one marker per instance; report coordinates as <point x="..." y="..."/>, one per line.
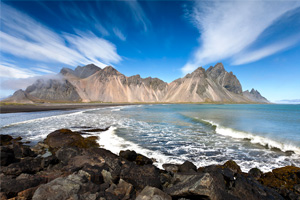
<point x="252" y="135"/>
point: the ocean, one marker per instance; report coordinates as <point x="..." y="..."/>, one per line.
<point x="262" y="136"/>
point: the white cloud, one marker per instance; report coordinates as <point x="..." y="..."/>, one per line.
<point x="138" y="13"/>
<point x="23" y="83"/>
<point x="10" y="71"/>
<point x="22" y="36"/>
<point x="255" y="55"/>
<point x="229" y="27"/>
<point x="119" y="34"/>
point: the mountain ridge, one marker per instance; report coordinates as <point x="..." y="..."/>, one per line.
<point x="93" y="84"/>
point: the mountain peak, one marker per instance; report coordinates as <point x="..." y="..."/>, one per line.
<point x="109" y="70"/>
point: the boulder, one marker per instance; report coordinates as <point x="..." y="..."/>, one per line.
<point x="5" y="140"/>
<point x="132" y="156"/>
<point x="66" y="187"/>
<point x="187" y="166"/>
<point x="141" y="176"/>
<point x="128" y="155"/>
<point x="283" y="180"/>
<point x="67" y="138"/>
<point x="7" y="156"/>
<point x="197" y="185"/>
<point x="233" y="166"/>
<point x="173" y="168"/>
<point x="123" y="190"/>
<point x="12" y="186"/>
<point x="65" y="154"/>
<point x="150" y="193"/>
<point x="255" y="173"/>
<point x="21" y="151"/>
<point x="27" y="165"/>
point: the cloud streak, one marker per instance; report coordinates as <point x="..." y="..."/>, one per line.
<point x="22" y="36"/>
<point x="229" y="27"/>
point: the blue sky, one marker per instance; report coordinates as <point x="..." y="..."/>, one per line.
<point x="258" y="40"/>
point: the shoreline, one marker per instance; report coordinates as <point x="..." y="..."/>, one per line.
<point x="16" y="108"/>
<point x="63" y="162"/>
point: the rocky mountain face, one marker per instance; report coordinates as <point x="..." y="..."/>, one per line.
<point x="91" y="83"/>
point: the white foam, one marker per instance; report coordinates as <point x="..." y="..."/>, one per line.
<point x="254" y="139"/>
<point x="110" y="141"/>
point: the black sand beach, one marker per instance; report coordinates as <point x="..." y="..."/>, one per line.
<point x="12" y="108"/>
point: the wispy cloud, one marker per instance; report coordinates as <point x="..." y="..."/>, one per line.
<point x="8" y="70"/>
<point x="230" y="27"/>
<point x="119" y="34"/>
<point x="138" y="14"/>
<point x="22" y="36"/>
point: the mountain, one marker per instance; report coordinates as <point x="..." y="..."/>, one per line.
<point x="91" y="83"/>
<point x="255" y="96"/>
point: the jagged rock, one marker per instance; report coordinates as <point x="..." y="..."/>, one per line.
<point x="12" y="186"/>
<point x="233" y="166"/>
<point x="26" y="165"/>
<point x="123" y="190"/>
<point x="185" y="185"/>
<point x="65" y="187"/>
<point x="283" y="180"/>
<point x="67" y="138"/>
<point x="49" y="161"/>
<point x="255" y="172"/>
<point x="187" y="166"/>
<point x="128" y="155"/>
<point x="139" y="159"/>
<point x="7" y="156"/>
<point x="143" y="160"/>
<point x="65" y="154"/>
<point x="21" y="151"/>
<point x="141" y="176"/>
<point x="5" y="140"/>
<point x="96" y="130"/>
<point x="173" y="168"/>
<point x="150" y="193"/>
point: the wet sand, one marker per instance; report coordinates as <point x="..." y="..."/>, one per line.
<point x="49" y="107"/>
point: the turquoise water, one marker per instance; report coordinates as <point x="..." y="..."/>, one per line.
<point x="263" y="136"/>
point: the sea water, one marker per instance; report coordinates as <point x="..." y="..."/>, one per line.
<point x="262" y="136"/>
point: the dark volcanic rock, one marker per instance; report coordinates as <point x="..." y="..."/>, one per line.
<point x="5" y="139"/>
<point x="173" y="168"/>
<point x="67" y="138"/>
<point x="21" y="151"/>
<point x="26" y="165"/>
<point x="149" y="193"/>
<point x="12" y="186"/>
<point x="255" y="172"/>
<point x="66" y="187"/>
<point x="132" y="156"/>
<point x="141" y="176"/>
<point x="283" y="180"/>
<point x="187" y="166"/>
<point x="7" y="156"/>
<point x="128" y="155"/>
<point x="198" y="185"/>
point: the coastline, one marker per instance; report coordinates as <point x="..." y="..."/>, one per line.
<point x="16" y="107"/>
<point x="65" y="161"/>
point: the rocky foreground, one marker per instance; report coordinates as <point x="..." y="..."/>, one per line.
<point x="68" y="166"/>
